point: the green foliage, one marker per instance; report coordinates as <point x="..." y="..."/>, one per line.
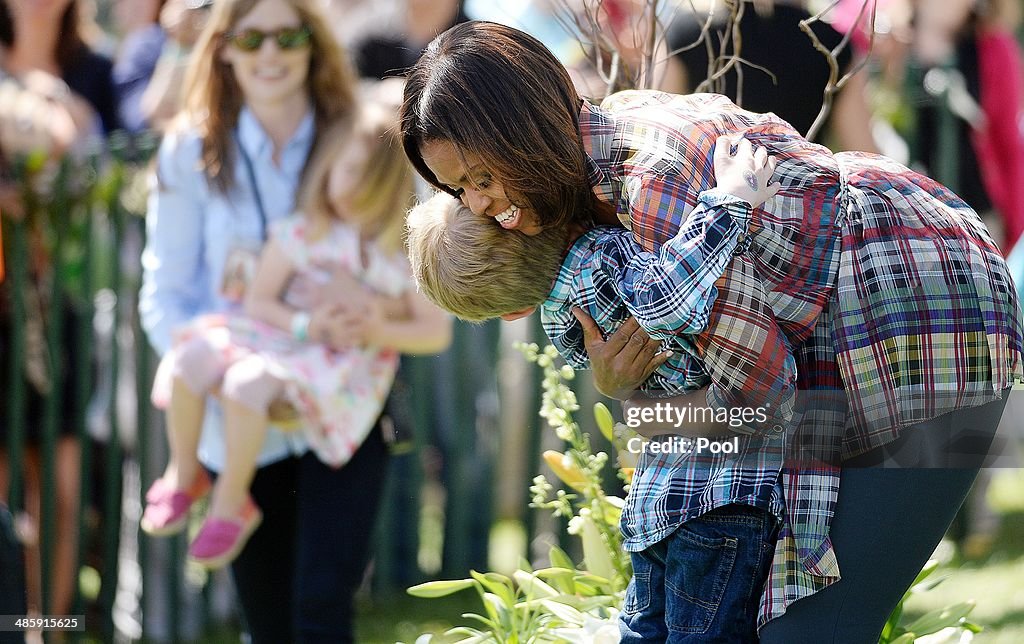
<point x="565" y="602"/>
<point x="61" y="198"/>
<point x="947" y="624"/>
<point x="556" y="604"/>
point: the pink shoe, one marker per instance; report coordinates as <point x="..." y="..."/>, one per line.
<point x="167" y="508"/>
<point x="220" y="540"/>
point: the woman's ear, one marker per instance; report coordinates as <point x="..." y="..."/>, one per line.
<point x="522" y="313"/>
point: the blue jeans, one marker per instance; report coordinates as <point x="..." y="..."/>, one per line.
<point x="703" y="582"/>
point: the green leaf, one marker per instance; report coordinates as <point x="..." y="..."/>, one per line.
<point x="906" y="638"/>
<point x="498" y="584"/>
<point x="894" y="619"/>
<point x="483" y="620"/>
<point x="524" y="564"/>
<point x="474" y="636"/>
<point x="564" y="612"/>
<point x="499" y="612"/>
<point x="533" y="586"/>
<point x="563" y="580"/>
<point x="559" y="559"/>
<point x="968" y="625"/>
<point x="441" y="588"/>
<point x="936" y="620"/>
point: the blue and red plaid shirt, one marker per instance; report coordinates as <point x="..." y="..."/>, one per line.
<point x="866" y="269"/>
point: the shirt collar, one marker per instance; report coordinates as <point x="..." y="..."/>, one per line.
<point x="255" y="141"/>
<point x="564" y="289"/>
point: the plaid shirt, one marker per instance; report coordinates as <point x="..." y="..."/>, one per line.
<point x="840" y="255"/>
<point x="611" y="277"/>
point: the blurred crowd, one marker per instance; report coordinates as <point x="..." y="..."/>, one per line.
<point x="938" y="86"/>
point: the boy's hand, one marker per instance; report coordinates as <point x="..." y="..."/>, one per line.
<point x="622" y="362"/>
<point x="743" y="171"/>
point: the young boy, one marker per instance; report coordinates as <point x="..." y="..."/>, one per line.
<point x="468" y="265"/>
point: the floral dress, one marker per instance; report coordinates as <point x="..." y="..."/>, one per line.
<point x="338" y="394"/>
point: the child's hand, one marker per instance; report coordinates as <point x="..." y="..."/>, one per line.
<point x="342" y="286"/>
<point x="339" y="326"/>
<point x="743" y="171"/>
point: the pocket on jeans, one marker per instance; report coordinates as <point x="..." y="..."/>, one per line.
<point x="700" y="562"/>
<point x="638" y="592"/>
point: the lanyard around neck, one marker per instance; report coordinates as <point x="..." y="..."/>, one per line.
<point x="255" y="191"/>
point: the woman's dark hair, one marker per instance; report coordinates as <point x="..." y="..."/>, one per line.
<point x="498" y="93"/>
<point x="69" y="42"/>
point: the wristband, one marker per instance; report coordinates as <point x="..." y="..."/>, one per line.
<point x="300" y="326"/>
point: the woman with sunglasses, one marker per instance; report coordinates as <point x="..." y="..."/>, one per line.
<point x="266" y="82"/>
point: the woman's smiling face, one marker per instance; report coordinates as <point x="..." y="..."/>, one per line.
<point x="269" y="74"/>
<point x="467" y="176"/>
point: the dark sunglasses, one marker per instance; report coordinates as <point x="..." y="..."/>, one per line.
<point x="285" y="37"/>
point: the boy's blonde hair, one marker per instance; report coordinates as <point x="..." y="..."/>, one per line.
<point x="469" y="265"/>
<point x="385" y="188"/>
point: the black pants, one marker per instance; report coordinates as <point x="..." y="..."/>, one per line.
<point x="894" y="505"/>
<point x="299" y="572"/>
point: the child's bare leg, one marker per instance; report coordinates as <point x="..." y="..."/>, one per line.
<point x="184" y="425"/>
<point x="248" y="391"/>
<point x="199" y="367"/>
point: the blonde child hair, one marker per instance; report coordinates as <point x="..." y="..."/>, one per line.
<point x="468" y="265"/>
<point x="384" y="190"/>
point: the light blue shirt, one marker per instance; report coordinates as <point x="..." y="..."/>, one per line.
<point x="191" y="227"/>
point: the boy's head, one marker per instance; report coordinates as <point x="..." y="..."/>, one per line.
<point x="469" y="265"/>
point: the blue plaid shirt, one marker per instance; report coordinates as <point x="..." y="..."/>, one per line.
<point x="670" y="293"/>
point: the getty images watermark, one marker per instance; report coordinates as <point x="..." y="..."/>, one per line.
<point x="665" y="416"/>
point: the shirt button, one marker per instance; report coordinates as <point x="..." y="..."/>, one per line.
<point x="778" y="428"/>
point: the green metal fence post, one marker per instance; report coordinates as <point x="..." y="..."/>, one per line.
<point x="113" y="451"/>
<point x="17" y="258"/>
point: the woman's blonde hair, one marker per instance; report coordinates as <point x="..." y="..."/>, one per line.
<point x="384" y="190"/>
<point x="213" y="98"/>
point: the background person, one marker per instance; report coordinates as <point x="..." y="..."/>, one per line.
<point x="42" y="44"/>
<point x="256" y="109"/>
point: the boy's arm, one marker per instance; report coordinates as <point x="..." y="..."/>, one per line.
<point x="567" y="335"/>
<point x="671" y="292"/>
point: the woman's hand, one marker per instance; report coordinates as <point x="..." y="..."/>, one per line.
<point x="743" y="171"/>
<point x="622" y="362"/>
